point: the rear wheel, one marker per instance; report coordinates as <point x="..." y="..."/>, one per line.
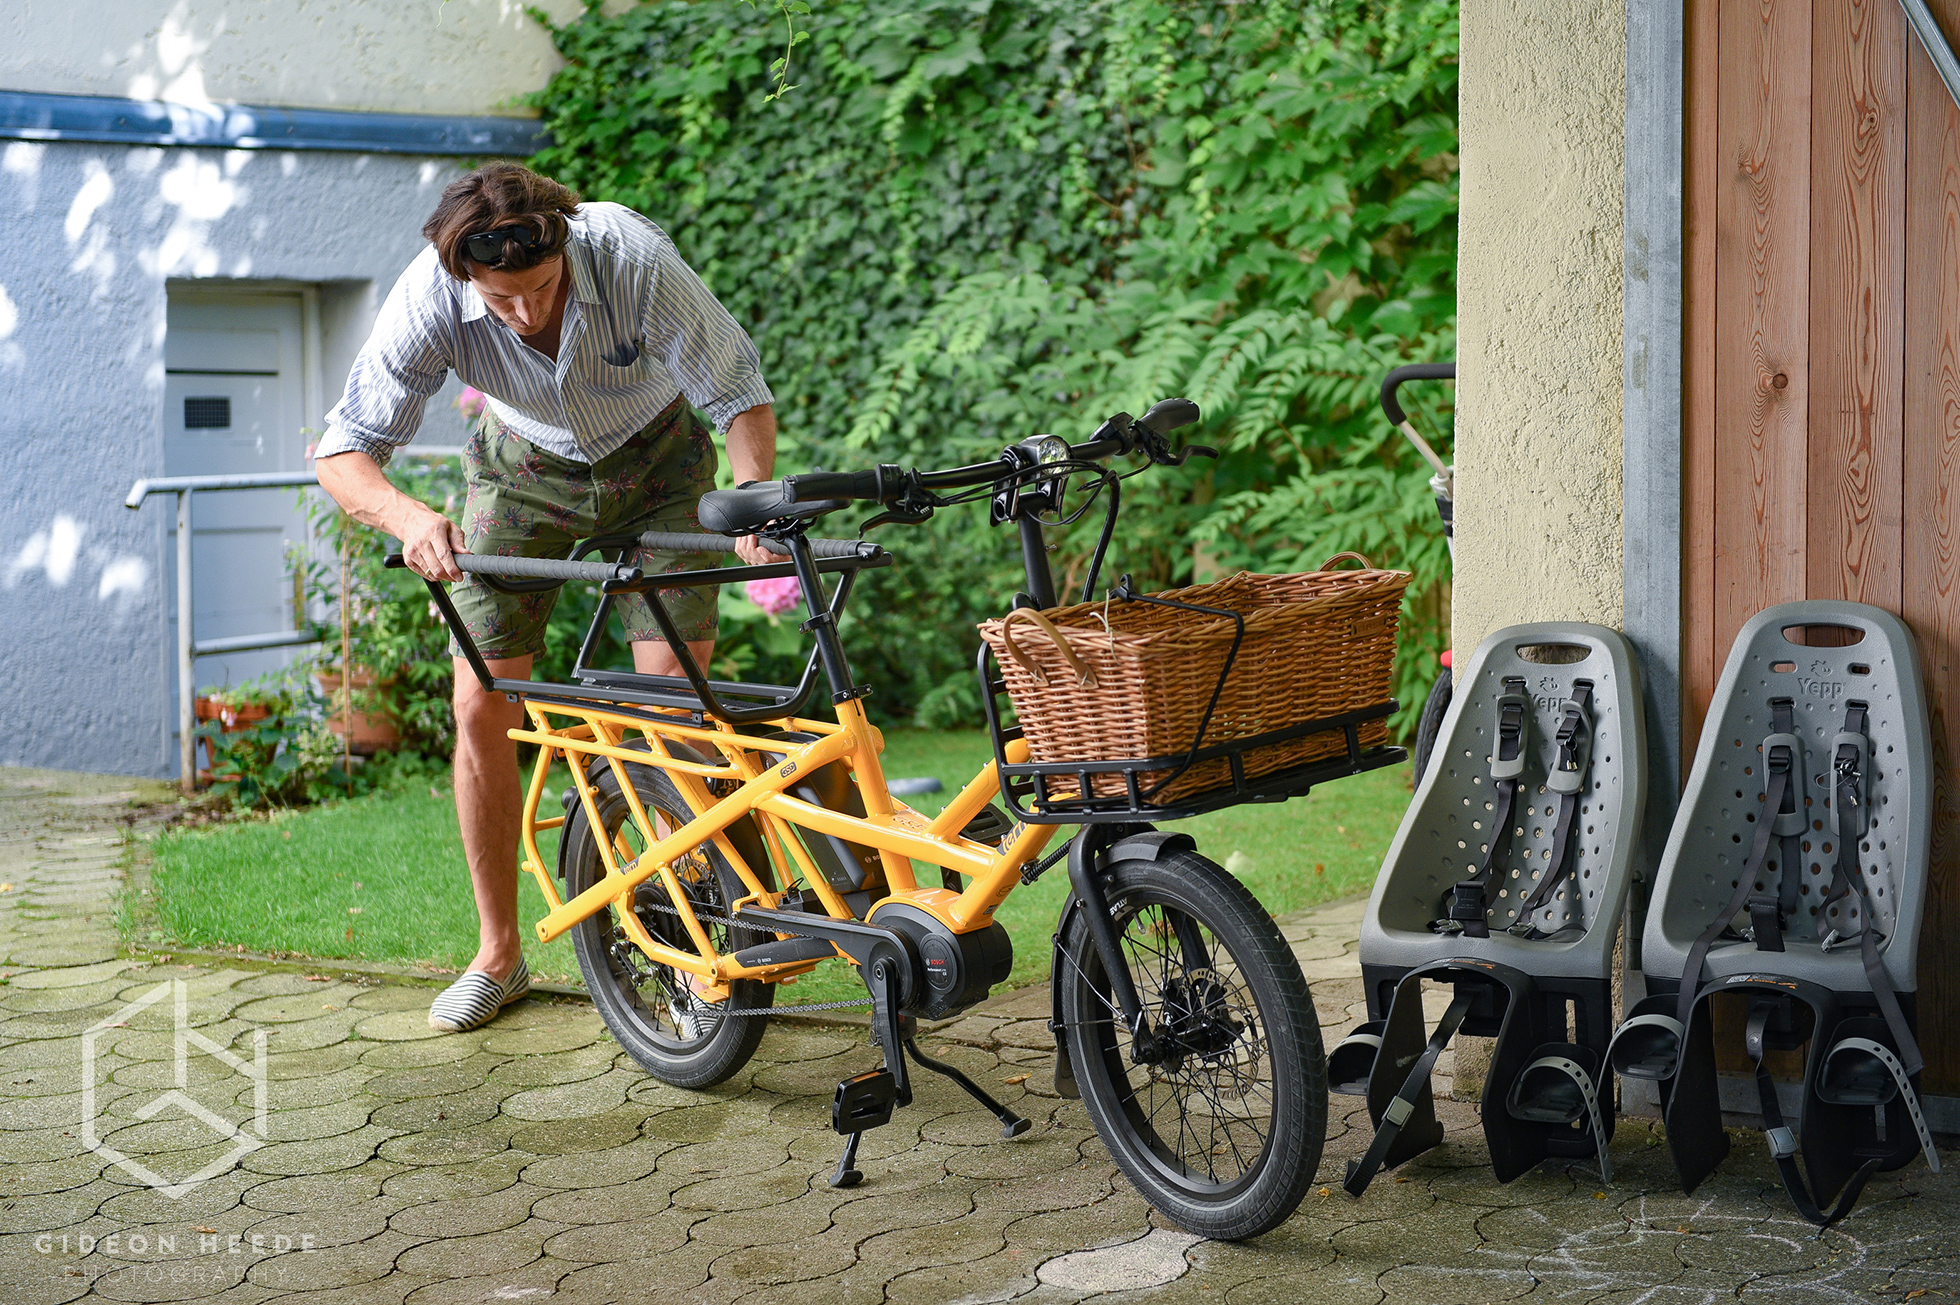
<point x="1429" y="727"/>
<point x="652" y="1009"/>
<point x="1224" y="1132"/>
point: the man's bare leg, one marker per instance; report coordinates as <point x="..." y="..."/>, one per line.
<point x="490" y="798"/>
<point x="656" y="657"/>
<point x="489" y="807"/>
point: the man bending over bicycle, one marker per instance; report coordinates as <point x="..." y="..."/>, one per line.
<point x="590" y="337"/>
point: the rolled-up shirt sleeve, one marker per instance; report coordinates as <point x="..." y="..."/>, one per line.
<point x="709" y="356"/>
<point x="404" y="361"/>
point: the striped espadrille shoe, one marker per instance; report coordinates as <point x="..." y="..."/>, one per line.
<point x="474" y="1000"/>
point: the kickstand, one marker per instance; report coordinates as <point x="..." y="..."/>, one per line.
<point x="847" y="1174"/>
<point x="1011" y="1124"/>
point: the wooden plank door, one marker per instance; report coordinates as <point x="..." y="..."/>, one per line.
<point x="1821" y="380"/>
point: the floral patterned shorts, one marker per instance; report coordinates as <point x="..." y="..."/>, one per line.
<point x="524" y="502"/>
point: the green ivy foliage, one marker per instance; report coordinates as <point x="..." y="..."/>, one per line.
<point x="978" y="220"/>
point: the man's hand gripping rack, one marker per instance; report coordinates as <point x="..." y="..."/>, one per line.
<point x="1507" y="881"/>
<point x="1791" y="890"/>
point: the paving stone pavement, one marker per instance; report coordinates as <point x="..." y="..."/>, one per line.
<point x="531" y="1161"/>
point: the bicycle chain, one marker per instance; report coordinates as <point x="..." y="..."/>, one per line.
<point x="807" y="1008"/>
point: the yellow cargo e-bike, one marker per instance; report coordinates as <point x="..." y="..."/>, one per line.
<point x="717" y="840"/>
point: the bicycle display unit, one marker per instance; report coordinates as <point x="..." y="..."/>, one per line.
<point x="717" y="838"/>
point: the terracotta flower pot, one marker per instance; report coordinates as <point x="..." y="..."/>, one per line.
<point x="231" y="718"/>
<point x="372" y="731"/>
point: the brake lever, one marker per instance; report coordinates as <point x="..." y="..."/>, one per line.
<point x="896" y="515"/>
<point x="1196" y="451"/>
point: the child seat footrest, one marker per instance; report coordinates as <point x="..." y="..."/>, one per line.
<point x="1646" y="1046"/>
<point x="1557" y="1087"/>
<point x="1353" y="1060"/>
<point x="1862" y="1072"/>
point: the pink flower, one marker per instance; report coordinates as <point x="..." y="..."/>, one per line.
<point x="470" y="402"/>
<point x="775" y="596"/>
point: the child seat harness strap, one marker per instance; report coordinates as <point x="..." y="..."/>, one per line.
<point x="1467" y="908"/>
<point x="1362" y="1172"/>
<point x="1782" y="782"/>
<point x="1852" y="749"/>
<point x="1567" y="778"/>
<point x="1783" y="1142"/>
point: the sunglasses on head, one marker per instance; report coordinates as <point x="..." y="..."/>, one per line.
<point x="491" y="247"/>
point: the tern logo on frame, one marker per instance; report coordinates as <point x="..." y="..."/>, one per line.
<point x="244" y="1140"/>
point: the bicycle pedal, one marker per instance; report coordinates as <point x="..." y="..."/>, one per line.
<point x="864" y="1101"/>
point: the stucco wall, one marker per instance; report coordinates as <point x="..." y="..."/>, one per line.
<point x="399" y="56"/>
<point x="86" y="654"/>
<point x="1539" y="313"/>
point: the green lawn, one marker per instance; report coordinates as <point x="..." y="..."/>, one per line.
<point x="381" y="878"/>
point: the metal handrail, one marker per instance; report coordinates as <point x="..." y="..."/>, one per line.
<point x="188" y="649"/>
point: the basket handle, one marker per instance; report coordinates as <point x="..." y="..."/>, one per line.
<point x="1084" y="676"/>
<point x="1328" y="565"/>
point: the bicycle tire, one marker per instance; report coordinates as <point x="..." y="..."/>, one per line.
<point x="647" y="1007"/>
<point x="1429" y="727"/>
<point x="1273" y="1061"/>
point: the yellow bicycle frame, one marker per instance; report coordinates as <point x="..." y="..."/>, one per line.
<point x="765" y="770"/>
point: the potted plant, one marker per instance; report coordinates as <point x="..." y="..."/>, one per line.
<point x="369" y="727"/>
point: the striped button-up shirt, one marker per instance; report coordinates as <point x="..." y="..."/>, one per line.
<point x="639" y="329"/>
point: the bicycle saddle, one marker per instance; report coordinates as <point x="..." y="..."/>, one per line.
<point x="743" y="509"/>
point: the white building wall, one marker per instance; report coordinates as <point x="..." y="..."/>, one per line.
<point x="99" y="233"/>
<point x="396" y="56"/>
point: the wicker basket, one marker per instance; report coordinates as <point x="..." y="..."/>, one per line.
<point x="1316" y="645"/>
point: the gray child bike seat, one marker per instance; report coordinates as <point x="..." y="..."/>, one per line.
<point x="1711" y="837"/>
<point x="1445" y="833"/>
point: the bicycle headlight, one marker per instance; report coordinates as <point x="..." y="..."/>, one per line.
<point x="1051" y="448"/>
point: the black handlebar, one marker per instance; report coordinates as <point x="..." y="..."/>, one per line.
<point x="1118" y="435"/>
<point x="1392" y="382"/>
<point x="669" y="541"/>
<point x="536" y="567"/>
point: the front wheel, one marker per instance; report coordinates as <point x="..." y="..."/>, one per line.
<point x="1224" y="1132"/>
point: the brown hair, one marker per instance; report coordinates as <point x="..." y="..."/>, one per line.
<point x="500" y="195"/>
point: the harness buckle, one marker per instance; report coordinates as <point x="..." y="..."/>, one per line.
<point x="1783" y="755"/>
<point x="1833" y="940"/>
<point x="1512" y="711"/>
<point x="1398" y="1111"/>
<point x="1466" y="902"/>
<point x="1850" y="753"/>
<point x="1782" y="1142"/>
<point x="1765" y="923"/>
<point x="1574" y="753"/>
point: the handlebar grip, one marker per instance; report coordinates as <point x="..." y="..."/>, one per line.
<point x="878" y="485"/>
<point x="545" y="568"/>
<point x="1167" y="415"/>
<point x="1413" y="372"/>
<point x="670" y="541"/>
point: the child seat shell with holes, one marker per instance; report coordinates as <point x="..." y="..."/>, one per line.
<point x="1506" y="882"/>
<point x="1445" y="833"/>
<point x="1710" y="840"/>
<point x="1803" y="741"/>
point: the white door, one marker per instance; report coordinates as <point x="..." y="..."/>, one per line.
<point x="234" y="404"/>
